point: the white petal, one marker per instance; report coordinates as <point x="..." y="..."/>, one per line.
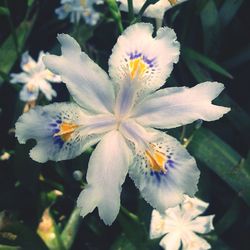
<point x="144" y="60"/>
<point x="156" y="225"/>
<point x="180" y="106"/>
<point x="46" y="88"/>
<point x="155" y="10"/>
<point x="191" y="241"/>
<point x="27" y="62"/>
<point x="202" y="224"/>
<point x="164" y="172"/>
<point x="192" y="207"/>
<point x="108" y="166"/>
<point x="26" y="95"/>
<point x="19" y="78"/>
<point x="171" y="241"/>
<point x="62" y="131"/>
<point x="87" y="82"/>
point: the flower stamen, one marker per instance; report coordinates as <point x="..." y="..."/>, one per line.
<point x="66" y="130"/>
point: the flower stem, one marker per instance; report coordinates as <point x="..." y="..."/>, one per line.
<point x="130" y="10"/>
<point x="143" y="9"/>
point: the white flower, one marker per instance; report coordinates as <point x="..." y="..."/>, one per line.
<point x="123" y="113"/>
<point x="77" y="9"/>
<point x="156" y="10"/>
<point x="180" y="225"/>
<point x="35" y="77"/>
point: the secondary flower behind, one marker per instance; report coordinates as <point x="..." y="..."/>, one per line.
<point x="123" y="114"/>
<point x="156" y="10"/>
<point x="77" y="9"/>
<point x="35" y="77"/>
<point x="180" y="225"/>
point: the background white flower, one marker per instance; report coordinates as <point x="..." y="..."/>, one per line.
<point x="123" y="113"/>
<point x="35" y="77"/>
<point x="154" y="10"/>
<point x="77" y="9"/>
<point x="180" y="225"/>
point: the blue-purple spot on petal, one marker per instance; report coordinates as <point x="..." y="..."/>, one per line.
<point x="170" y="163"/>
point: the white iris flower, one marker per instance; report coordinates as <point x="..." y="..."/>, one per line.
<point x="35" y="77"/>
<point x="180" y="225"/>
<point x="156" y="10"/>
<point x="77" y="9"/>
<point x="123" y="113"/>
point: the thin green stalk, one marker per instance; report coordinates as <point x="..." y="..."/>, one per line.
<point x="143" y="9"/>
<point x="69" y="233"/>
<point x="115" y="12"/>
<point x="12" y="28"/>
<point x="130" y="10"/>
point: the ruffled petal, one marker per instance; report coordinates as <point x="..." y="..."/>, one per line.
<point x="62" y="131"/>
<point x="163" y="171"/>
<point x="141" y="60"/>
<point x="193" y="207"/>
<point x="180" y="106"/>
<point x="87" y="82"/>
<point x="202" y="224"/>
<point x="108" y="166"/>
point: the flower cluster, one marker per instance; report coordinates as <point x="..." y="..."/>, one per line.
<point x="77" y="9"/>
<point x="35" y="77"/>
<point x="123" y="114"/>
<point x="180" y="225"/>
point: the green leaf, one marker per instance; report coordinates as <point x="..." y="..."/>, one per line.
<point x="8" y="55"/>
<point x="4" y="11"/>
<point x="30" y="2"/>
<point x="4" y="247"/>
<point x="228" y="10"/>
<point x="211" y="26"/>
<point x="207" y="62"/>
<point x="122" y="243"/>
<point x="70" y="231"/>
<point x="134" y="229"/>
<point x="223" y="160"/>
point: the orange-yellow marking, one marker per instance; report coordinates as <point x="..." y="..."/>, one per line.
<point x="66" y="130"/>
<point x="157" y="160"/>
<point x="173" y="2"/>
<point x="137" y="67"/>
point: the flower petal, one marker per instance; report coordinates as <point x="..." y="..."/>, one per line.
<point x="156" y="225"/>
<point x="26" y="95"/>
<point x="46" y="88"/>
<point x="191" y="241"/>
<point x="164" y="171"/>
<point x="171" y="241"/>
<point x="193" y="207"/>
<point x="202" y="224"/>
<point x="87" y="82"/>
<point x="62" y="131"/>
<point x="180" y="106"/>
<point x="108" y="166"/>
<point x="142" y="60"/>
<point x="28" y="64"/>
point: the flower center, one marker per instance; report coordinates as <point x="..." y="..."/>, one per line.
<point x="66" y="130"/>
<point x="139" y="64"/>
<point x="156" y="159"/>
<point x="172" y="2"/>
